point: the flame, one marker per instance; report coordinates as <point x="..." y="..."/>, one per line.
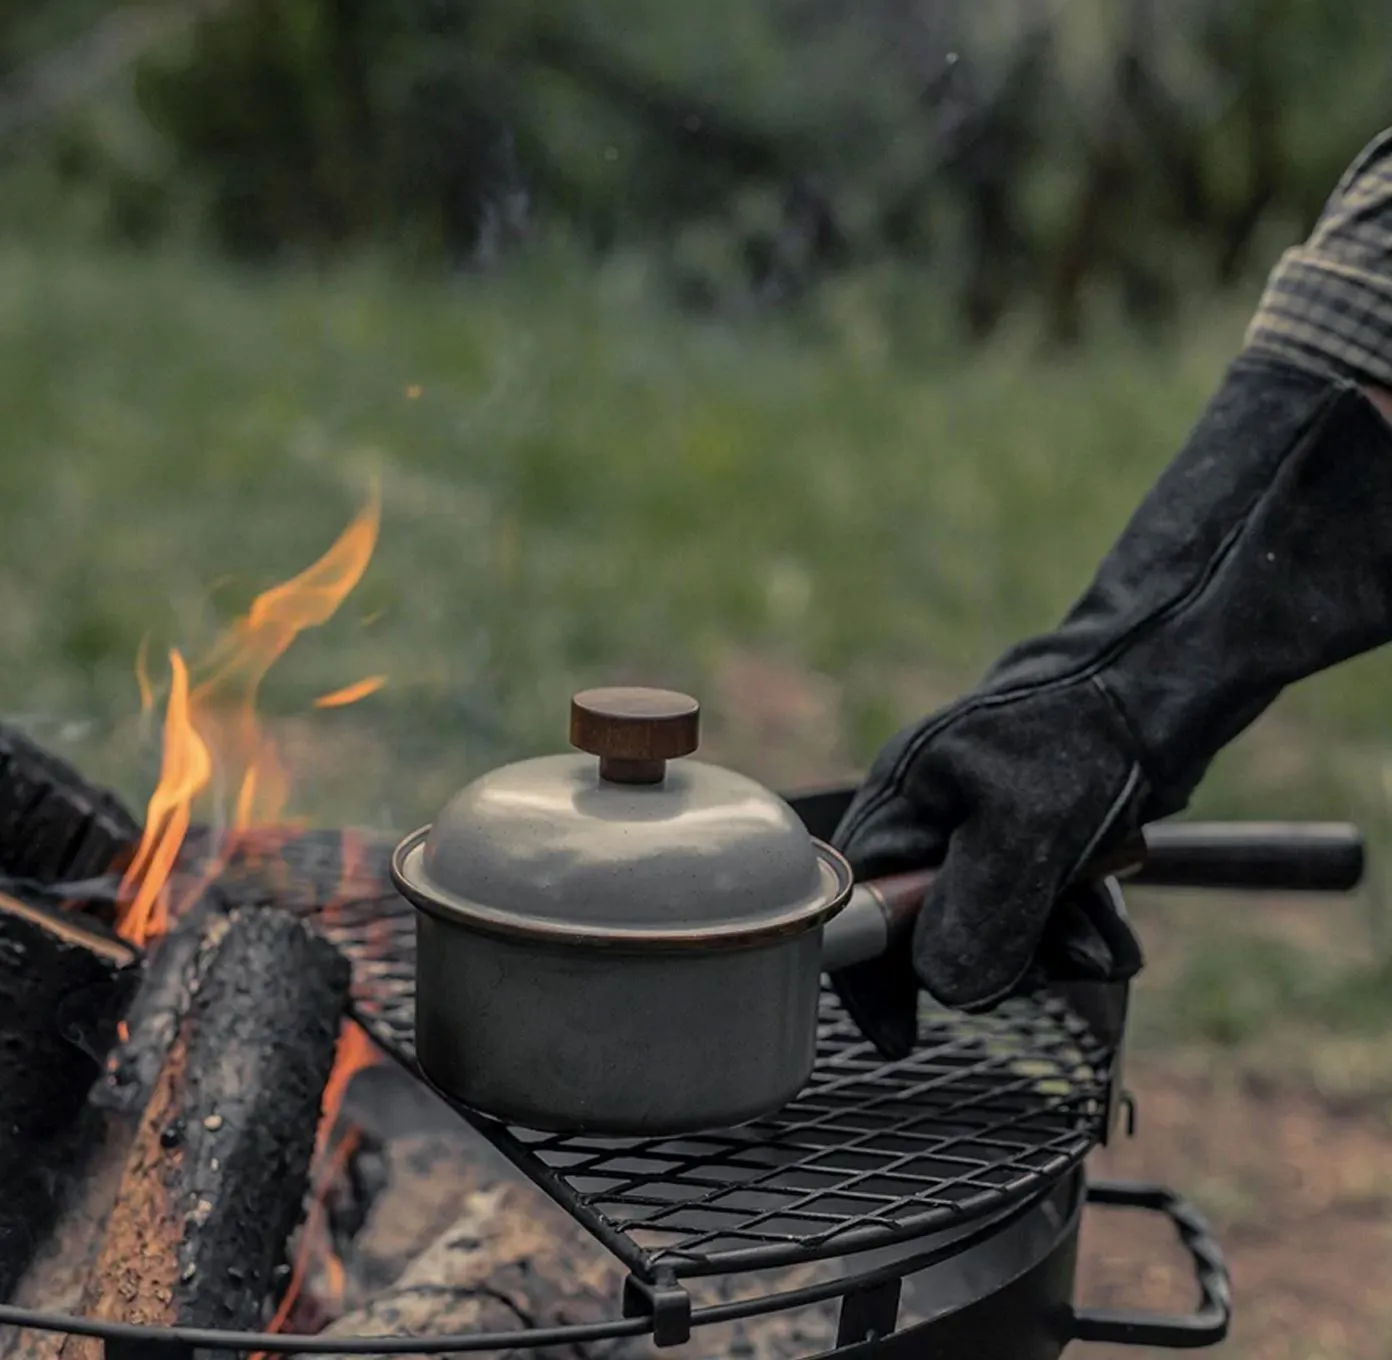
<point x="185" y="769"/>
<point x="355" y="1052"/>
<point x="213" y="741"/>
<point x="350" y="694"/>
<point x="142" y="675"/>
<point x="214" y="746"/>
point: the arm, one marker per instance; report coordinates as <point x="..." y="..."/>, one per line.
<point x="1262" y="555"/>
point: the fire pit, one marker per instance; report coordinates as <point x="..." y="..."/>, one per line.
<point x="957" y="1168"/>
<point x="186" y="1011"/>
<point x="955" y="1174"/>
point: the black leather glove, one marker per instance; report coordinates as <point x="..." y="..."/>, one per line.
<point x="1262" y="555"/>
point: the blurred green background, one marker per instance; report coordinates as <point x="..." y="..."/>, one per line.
<point x="802" y="353"/>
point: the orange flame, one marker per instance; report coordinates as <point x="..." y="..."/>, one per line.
<point x="213" y="732"/>
<point x="142" y="675"/>
<point x="185" y="769"/>
<point x="355" y="1052"/>
<point x="213" y="744"/>
<point x="350" y="694"/>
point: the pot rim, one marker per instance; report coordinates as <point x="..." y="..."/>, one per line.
<point x="836" y="879"/>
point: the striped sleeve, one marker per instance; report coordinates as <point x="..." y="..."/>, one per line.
<point x="1327" y="305"/>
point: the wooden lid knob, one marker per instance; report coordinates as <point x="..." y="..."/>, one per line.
<point x="634" y="731"/>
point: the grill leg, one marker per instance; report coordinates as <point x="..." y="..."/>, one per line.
<point x="869" y="1314"/>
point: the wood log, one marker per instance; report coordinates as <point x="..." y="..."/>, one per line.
<point x="55" y="827"/>
<point x="510" y="1260"/>
<point x="217" y="1173"/>
<point x="429" y="1181"/>
<point x="63" y="989"/>
<point x="513" y="1259"/>
<point x="172" y="975"/>
<point x="58" y="1274"/>
<point x="301" y="870"/>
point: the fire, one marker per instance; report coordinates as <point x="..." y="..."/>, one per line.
<point x="214" y="746"/>
<point x="185" y="769"/>
<point x="350" y="694"/>
<point x="213" y="740"/>
<point x="355" y="1052"/>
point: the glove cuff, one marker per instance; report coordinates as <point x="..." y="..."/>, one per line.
<point x="1262" y="555"/>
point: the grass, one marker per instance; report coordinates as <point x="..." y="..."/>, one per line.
<point x="824" y="526"/>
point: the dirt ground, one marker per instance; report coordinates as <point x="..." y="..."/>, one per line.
<point x="1299" y="1192"/>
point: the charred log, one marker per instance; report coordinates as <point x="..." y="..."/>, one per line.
<point x="55" y="827"/>
<point x="303" y="871"/>
<point x="171" y="977"/>
<point x="58" y="1274"/>
<point x="63" y="989"/>
<point x="216" y="1176"/>
<point x="510" y="1260"/>
<point x="428" y="1182"/>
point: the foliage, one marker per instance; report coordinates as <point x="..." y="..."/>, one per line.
<point x="1036" y="152"/>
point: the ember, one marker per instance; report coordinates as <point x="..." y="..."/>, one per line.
<point x="350" y="694"/>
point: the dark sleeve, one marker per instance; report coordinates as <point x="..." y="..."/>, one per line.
<point x="1328" y="303"/>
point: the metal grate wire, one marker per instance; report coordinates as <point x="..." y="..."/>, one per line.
<point x="988" y="1111"/>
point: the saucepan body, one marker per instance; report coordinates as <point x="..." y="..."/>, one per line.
<point x="615" y="1040"/>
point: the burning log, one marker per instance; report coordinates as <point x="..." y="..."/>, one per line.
<point x="58" y="1274"/>
<point x="176" y="965"/>
<point x="511" y="1260"/>
<point x="55" y="827"/>
<point x="217" y="1172"/>
<point x="431" y="1180"/>
<point x="63" y="988"/>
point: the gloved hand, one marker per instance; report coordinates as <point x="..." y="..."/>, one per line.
<point x="1262" y="555"/>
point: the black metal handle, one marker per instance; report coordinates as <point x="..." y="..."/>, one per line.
<point x="1208" y="1324"/>
<point x="1280" y="856"/>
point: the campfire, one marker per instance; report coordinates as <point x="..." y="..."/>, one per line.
<point x="179" y="1045"/>
<point x="180" y="1050"/>
<point x="197" y="1002"/>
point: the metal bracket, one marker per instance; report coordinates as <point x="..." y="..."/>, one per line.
<point x="663" y="1300"/>
<point x="869" y="1314"/>
<point x="1126" y="1102"/>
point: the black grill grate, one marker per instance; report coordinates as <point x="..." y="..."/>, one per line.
<point x="986" y="1112"/>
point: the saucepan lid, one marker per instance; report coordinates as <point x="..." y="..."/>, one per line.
<point x="642" y="846"/>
